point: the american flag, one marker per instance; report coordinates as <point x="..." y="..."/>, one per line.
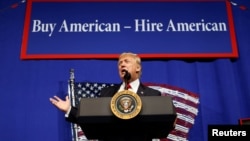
<point x="185" y="102"/>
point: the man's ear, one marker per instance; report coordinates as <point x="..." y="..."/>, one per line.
<point x="138" y="69"/>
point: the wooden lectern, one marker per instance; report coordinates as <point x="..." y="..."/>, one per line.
<point x="155" y="120"/>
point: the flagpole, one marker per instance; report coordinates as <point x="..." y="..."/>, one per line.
<point x="73" y="103"/>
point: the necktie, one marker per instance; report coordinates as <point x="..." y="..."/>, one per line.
<point x="128" y="87"/>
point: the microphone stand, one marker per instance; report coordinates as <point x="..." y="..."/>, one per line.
<point x="126" y="78"/>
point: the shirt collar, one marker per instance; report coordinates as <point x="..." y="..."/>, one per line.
<point x="134" y="85"/>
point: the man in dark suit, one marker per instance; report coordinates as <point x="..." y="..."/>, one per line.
<point x="130" y="70"/>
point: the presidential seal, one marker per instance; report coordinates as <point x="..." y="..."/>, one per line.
<point x="126" y="104"/>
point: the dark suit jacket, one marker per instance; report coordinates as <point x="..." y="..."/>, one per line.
<point x="111" y="91"/>
<point x="142" y="91"/>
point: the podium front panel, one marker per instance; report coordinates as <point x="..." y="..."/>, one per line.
<point x="156" y="118"/>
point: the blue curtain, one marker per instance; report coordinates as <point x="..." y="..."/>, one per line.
<point x="26" y="85"/>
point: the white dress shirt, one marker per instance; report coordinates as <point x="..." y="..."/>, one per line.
<point x="134" y="86"/>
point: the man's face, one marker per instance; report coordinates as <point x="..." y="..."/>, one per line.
<point x="128" y="63"/>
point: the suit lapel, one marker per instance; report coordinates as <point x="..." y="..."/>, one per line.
<point x="140" y="90"/>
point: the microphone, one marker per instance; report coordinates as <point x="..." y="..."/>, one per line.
<point x="127" y="75"/>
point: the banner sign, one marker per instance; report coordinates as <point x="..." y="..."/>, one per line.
<point x="101" y="29"/>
